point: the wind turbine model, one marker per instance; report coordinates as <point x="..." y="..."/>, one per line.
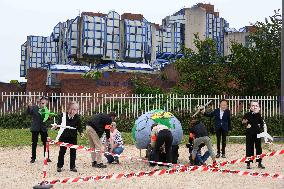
<point x="62" y="126"/>
<point x="264" y="134"/>
<point x="46" y="113"/>
<point x="199" y="108"/>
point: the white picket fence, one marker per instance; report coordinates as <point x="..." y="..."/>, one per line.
<point x="134" y="105"/>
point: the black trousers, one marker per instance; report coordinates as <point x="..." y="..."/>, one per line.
<point x="251" y="142"/>
<point x="221" y="134"/>
<point x="43" y="136"/>
<point x="164" y="137"/>
<point x="62" y="152"/>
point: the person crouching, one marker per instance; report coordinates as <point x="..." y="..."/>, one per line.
<point x="200" y="133"/>
<point x="115" y="145"/>
<point x="161" y="135"/>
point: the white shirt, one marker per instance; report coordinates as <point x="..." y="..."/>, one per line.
<point x="221" y="114"/>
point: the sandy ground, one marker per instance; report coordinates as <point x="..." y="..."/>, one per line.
<point x="17" y="172"/>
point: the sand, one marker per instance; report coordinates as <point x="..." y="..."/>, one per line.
<point x="17" y="172"/>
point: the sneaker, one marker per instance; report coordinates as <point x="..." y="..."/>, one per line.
<point x="218" y="155"/>
<point x="260" y="166"/>
<point x="94" y="164"/>
<point x="248" y="166"/>
<point x="223" y="156"/>
<point x="74" y="169"/>
<point x="100" y="165"/>
<point x="49" y="160"/>
<point x="32" y="160"/>
<point x="115" y="162"/>
<point x="59" y="169"/>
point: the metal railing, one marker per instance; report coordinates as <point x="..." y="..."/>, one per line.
<point x="135" y="104"/>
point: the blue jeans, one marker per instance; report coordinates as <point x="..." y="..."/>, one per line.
<point x="201" y="159"/>
<point x="118" y="151"/>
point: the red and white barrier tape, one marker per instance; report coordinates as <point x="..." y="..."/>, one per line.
<point x="244" y="159"/>
<point x="163" y="172"/>
<point x="45" y="159"/>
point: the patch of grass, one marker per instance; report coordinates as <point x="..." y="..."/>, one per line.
<point x="23" y="137"/>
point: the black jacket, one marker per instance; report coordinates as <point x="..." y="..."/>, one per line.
<point x="199" y="130"/>
<point x="256" y="122"/>
<point x="98" y="123"/>
<point x="72" y="122"/>
<point x="224" y="123"/>
<point x="37" y="119"/>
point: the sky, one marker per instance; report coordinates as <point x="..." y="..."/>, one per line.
<point x="20" y="18"/>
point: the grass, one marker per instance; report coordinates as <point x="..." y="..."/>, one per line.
<point x="22" y="137"/>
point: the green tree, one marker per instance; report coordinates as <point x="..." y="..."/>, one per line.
<point x="14" y="81"/>
<point x="258" y="65"/>
<point x="93" y="74"/>
<point x="204" y="71"/>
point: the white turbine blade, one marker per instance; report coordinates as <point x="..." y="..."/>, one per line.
<point x="68" y="127"/>
<point x="207" y="103"/>
<point x="59" y="133"/>
<point x="63" y="123"/>
<point x="203" y="106"/>
<point x="269" y="137"/>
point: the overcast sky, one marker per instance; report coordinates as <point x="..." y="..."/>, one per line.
<point x="20" y="18"/>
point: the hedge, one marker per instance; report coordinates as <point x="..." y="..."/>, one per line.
<point x="125" y="124"/>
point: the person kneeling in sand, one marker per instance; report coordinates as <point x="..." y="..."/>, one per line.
<point x="115" y="145"/>
<point x="199" y="158"/>
<point x="200" y="133"/>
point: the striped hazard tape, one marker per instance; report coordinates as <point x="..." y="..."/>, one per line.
<point x="45" y="160"/>
<point x="162" y="172"/>
<point x="244" y="159"/>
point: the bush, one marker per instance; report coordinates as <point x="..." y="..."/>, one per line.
<point x="125" y="124"/>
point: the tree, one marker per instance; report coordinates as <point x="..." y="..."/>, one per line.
<point x="204" y="71"/>
<point x="14" y="81"/>
<point x="258" y="65"/>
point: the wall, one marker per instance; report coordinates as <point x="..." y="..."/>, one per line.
<point x="195" y="23"/>
<point x="238" y="37"/>
<point x="10" y="87"/>
<point x="36" y="80"/>
<point x="110" y="82"/>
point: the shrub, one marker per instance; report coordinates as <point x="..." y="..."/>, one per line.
<point x="125" y="124"/>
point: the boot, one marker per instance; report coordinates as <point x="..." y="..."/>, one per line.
<point x="260" y="166"/>
<point x="94" y="164"/>
<point x="218" y="155"/>
<point x="248" y="166"/>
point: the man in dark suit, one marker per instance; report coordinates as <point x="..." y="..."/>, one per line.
<point x="38" y="126"/>
<point x="222" y="125"/>
<point x="254" y="124"/>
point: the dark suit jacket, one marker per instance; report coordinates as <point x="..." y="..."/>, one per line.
<point x="256" y="122"/>
<point x="37" y="120"/>
<point x="224" y="123"/>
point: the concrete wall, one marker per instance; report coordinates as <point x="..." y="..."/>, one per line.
<point x="195" y="23"/>
<point x="238" y="37"/>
